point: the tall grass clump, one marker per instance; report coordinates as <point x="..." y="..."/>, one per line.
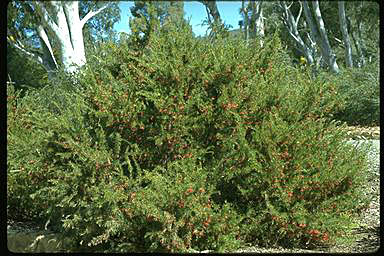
<point x="187" y="145"/>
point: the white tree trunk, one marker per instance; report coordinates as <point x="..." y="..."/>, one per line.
<point x="344" y="31"/>
<point x="360" y="43"/>
<point x="75" y="27"/>
<point x="68" y="31"/>
<point x="244" y="11"/>
<point x="314" y="35"/>
<point x="257" y="21"/>
<point x="63" y="20"/>
<point x="327" y="52"/>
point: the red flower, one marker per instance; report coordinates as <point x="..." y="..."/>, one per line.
<point x="314" y="232"/>
<point x="207" y="221"/>
<point x="190" y="190"/>
<point x="302" y="225"/>
<point x="325" y="236"/>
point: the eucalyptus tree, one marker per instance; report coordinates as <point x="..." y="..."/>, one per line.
<point x="23" y="72"/>
<point x="253" y="19"/>
<point x="257" y="20"/>
<point x="100" y="27"/>
<point x="216" y="26"/>
<point x="360" y="28"/>
<point x="51" y="33"/>
<point x="307" y="48"/>
<point x="175" y="12"/>
<point x="148" y="17"/>
<point x="344" y="30"/>
<point x="245" y="21"/>
<point x="363" y="17"/>
<point x="212" y="12"/>
<point x="323" y="41"/>
<point x="315" y="45"/>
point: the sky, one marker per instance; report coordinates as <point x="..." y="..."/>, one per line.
<point x="229" y="13"/>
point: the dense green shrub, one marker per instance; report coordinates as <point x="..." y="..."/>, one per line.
<point x="19" y="140"/>
<point x="28" y="147"/>
<point x="360" y="88"/>
<point x="187" y="145"/>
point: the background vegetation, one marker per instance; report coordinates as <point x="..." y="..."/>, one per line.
<point x="168" y="142"/>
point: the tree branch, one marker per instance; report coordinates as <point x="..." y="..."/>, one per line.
<point x="291" y="25"/>
<point x="91" y="14"/>
<point x="43" y="36"/>
<point x="298" y="16"/>
<point x="18" y="45"/>
<point x="311" y="23"/>
<point x="208" y="15"/>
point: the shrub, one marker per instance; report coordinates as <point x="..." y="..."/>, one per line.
<point x="188" y="145"/>
<point x="174" y="213"/>
<point x="361" y="90"/>
<point x="18" y="141"/>
<point x="26" y="146"/>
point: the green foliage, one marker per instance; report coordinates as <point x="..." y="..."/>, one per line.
<point x="102" y="24"/>
<point x="28" y="146"/>
<point x="185" y="145"/>
<point x="23" y="71"/>
<point x="360" y="89"/>
<point x="20" y="179"/>
<point x="174" y="212"/>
